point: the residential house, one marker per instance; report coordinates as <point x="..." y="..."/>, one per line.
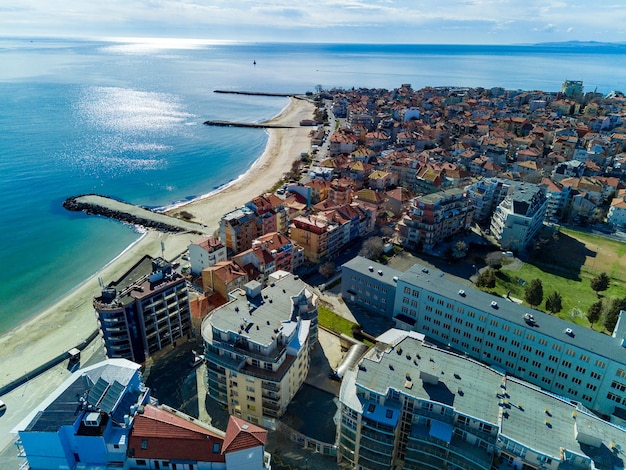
<point x="206" y="252"/>
<point x="223" y="278"/>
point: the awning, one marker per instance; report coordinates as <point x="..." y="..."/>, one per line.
<point x="440" y="430"/>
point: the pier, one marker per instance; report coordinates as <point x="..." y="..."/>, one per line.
<point x="258" y="93"/>
<point x="244" y="124"/>
<point x="129" y="213"/>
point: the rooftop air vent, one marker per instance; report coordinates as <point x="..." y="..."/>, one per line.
<point x="380" y="272"/>
<point x="395" y="279"/>
<point x="529" y="318"/>
<point x="462" y="293"/>
<point x="494" y="304"/>
<point x="569" y="332"/>
<point x="371" y="268"/>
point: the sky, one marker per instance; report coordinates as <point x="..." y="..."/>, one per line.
<point x="338" y="21"/>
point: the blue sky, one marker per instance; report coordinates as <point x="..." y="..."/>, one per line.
<point x="375" y="21"/>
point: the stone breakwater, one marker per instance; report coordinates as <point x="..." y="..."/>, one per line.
<point x="245" y="124"/>
<point x="129" y="213"/>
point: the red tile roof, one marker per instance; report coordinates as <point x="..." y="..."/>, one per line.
<point x="242" y="435"/>
<point x="160" y="434"/>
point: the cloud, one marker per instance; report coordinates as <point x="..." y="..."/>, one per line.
<point x="442" y="21"/>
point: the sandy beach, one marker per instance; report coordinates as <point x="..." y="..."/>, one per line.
<point x="72" y="319"/>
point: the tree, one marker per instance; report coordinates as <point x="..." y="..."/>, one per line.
<point x="612" y="313"/>
<point x="487" y="279"/>
<point x="554" y="302"/>
<point x="494" y="260"/>
<point x="372" y="248"/>
<point x="534" y="293"/>
<point x="600" y="283"/>
<point x="460" y="249"/>
<point x="594" y="312"/>
<point x="327" y="269"/>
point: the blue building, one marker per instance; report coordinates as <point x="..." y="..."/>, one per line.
<point x="87" y="420"/>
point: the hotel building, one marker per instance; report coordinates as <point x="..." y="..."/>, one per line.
<point x="257" y="347"/>
<point x="144" y="311"/>
<point x="411" y="405"/>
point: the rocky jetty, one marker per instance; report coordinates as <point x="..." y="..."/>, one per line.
<point x="128" y="213"/>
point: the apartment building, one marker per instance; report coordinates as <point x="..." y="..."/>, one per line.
<point x="519" y="217"/>
<point x="432" y="218"/>
<point x="238" y="228"/>
<point x="269" y="253"/>
<point x="144" y="311"/>
<point x="564" y="358"/>
<point x="206" y="252"/>
<point x="257" y="348"/>
<point x="311" y="233"/>
<point x="411" y="405"/>
<point x="485" y="195"/>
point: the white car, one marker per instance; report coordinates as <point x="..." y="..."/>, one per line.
<point x="3" y="406"/>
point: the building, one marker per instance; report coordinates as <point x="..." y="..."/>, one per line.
<point x="411" y="405"/>
<point x="238" y="229"/>
<point x="86" y="420"/>
<point x="372" y="288"/>
<point x="144" y="311"/>
<point x="162" y="436"/>
<point x="557" y="197"/>
<point x="617" y="212"/>
<point x="485" y="195"/>
<point x="559" y="356"/>
<point x="257" y="347"/>
<point x="519" y="217"/>
<point x="223" y="278"/>
<point x="270" y="253"/>
<point x="432" y="218"/>
<point x="206" y="252"/>
<point x="311" y="232"/>
<point x="103" y="416"/>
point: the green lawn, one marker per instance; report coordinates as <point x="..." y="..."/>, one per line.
<point x="329" y="319"/>
<point x="567" y="265"/>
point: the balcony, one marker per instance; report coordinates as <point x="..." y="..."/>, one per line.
<point x="270" y="386"/>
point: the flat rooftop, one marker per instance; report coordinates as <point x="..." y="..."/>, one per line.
<point x="261" y="318"/>
<point x="593" y="341"/>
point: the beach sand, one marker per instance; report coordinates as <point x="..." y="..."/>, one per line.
<point x="72" y="319"/>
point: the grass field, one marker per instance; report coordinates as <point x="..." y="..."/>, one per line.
<point x="566" y="264"/>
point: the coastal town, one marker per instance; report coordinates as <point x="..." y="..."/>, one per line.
<point x="439" y="366"/>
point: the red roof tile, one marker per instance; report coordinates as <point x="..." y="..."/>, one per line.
<point x="161" y="434"/>
<point x="242" y="435"/>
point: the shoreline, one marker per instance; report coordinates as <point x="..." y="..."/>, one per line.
<point x="71" y="319"/>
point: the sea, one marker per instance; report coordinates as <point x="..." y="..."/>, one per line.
<point x="124" y="118"/>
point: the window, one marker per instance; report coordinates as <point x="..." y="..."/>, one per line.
<point x="618" y="386"/>
<point x="141" y="462"/>
<point x="592" y="387"/>
<point x="600" y="364"/>
<point x="566" y="364"/>
<point x="584" y="357"/>
<point x="576" y="380"/>
<point x="553" y="358"/>
<point x="621" y="373"/>
<point x="407" y="290"/>
<point x="595" y="375"/>
<point x="550" y="370"/>
<point x="482" y="318"/>
<point x="580" y="369"/>
<point x="144" y="444"/>
<point x="216" y="448"/>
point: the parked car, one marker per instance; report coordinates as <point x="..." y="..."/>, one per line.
<point x="3" y="406"/>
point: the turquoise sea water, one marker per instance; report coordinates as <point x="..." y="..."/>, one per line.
<point x="125" y="120"/>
